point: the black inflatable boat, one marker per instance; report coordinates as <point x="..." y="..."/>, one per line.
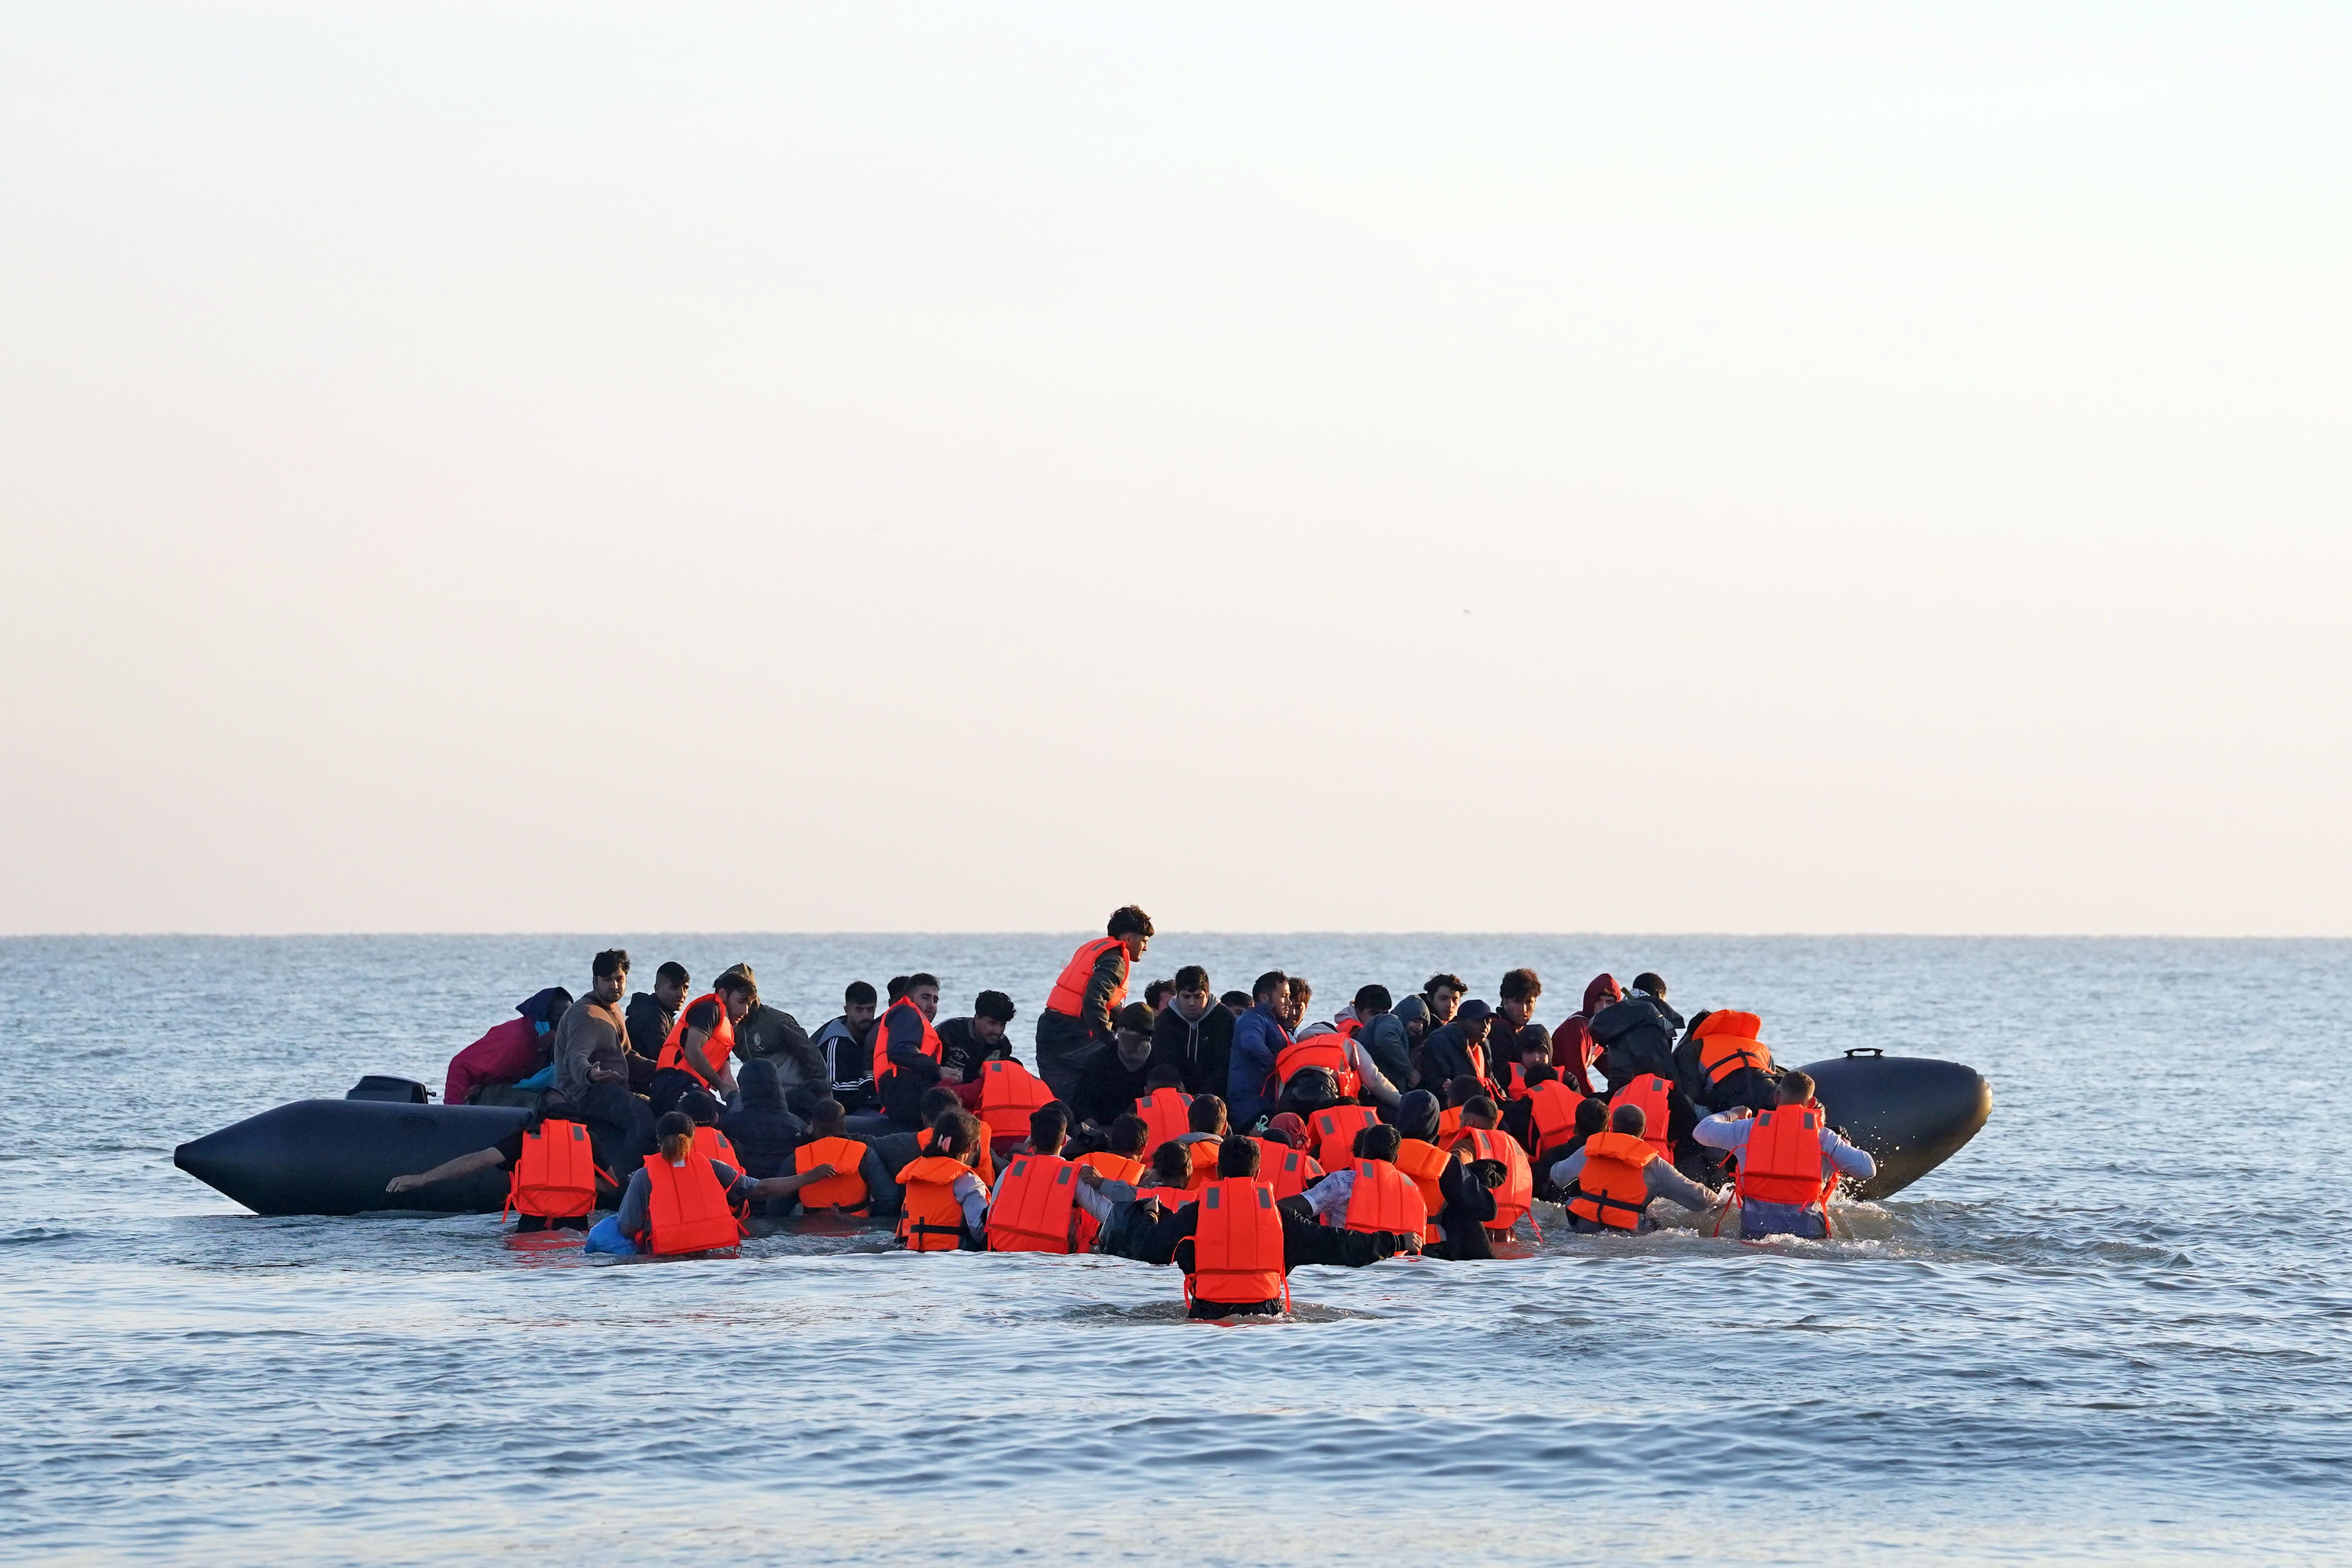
<point x="334" y="1156"/>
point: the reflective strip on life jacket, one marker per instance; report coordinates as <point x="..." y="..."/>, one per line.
<point x="1237" y="1246"/>
<point x="846" y="1188"/>
<point x="1382" y="1197"/>
<point x="1069" y="993"/>
<point x="556" y="1176"/>
<point x="1650" y="1092"/>
<point x="1782" y="1162"/>
<point x="717" y="1045"/>
<point x="1335" y="1133"/>
<point x="1036" y="1207"/>
<point x="1008" y="1093"/>
<point x="687" y="1210"/>
<point x="1614" y="1188"/>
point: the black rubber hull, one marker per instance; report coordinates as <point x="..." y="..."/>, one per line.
<point x="1910" y="1113"/>
<point x="333" y="1156"/>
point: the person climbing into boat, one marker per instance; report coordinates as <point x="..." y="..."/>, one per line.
<point x="700" y="1051"/>
<point x="908" y="1052"/>
<point x="1260" y="1036"/>
<point x="1543" y="1118"/>
<point x="1034" y="1206"/>
<point x="508" y="1052"/>
<point x="1608" y="1184"/>
<point x="1081" y="1014"/>
<point x="678" y="1201"/>
<point x="860" y="1183"/>
<point x="561" y="1177"/>
<point x="1726" y="1062"/>
<point x="845" y="1044"/>
<point x="1788" y="1160"/>
<point x="1636" y="1034"/>
<point x="1193" y="1035"/>
<point x="1237" y="1245"/>
<point x="1370" y="1192"/>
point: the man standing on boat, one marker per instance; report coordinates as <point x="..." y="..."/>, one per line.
<point x="1080" y="1017"/>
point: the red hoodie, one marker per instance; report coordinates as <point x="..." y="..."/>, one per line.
<point x="1572" y="1050"/>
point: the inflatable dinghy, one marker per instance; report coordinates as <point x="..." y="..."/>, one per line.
<point x="334" y="1156"/>
<point x="1909" y="1113"/>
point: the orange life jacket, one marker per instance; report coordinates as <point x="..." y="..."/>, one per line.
<point x="1517" y="1086"/>
<point x="1349" y="1027"/>
<point x="1035" y="1208"/>
<point x="846" y="1188"/>
<point x="1008" y="1093"/>
<point x="1781" y="1163"/>
<point x="930" y="1041"/>
<point x="1237" y="1246"/>
<point x="1517" y="1195"/>
<point x="1449" y="1122"/>
<point x="1115" y="1167"/>
<point x="984" y="1156"/>
<point x="1614" y="1188"/>
<point x="1424" y="1162"/>
<point x="712" y="1145"/>
<point x="1167" y="1114"/>
<point x="689" y="1211"/>
<point x="1335" y="1133"/>
<point x="1170" y="1198"/>
<point x="1728" y="1042"/>
<point x="556" y="1176"/>
<point x="1318" y="1052"/>
<point x="717" y="1045"/>
<point x="1288" y="1171"/>
<point x="1384" y="1198"/>
<point x="1551" y="1115"/>
<point x="1649" y="1092"/>
<point x="930" y="1219"/>
<point x="1203" y="1154"/>
<point x="1069" y="993"/>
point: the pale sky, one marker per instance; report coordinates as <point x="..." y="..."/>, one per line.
<point x="1640" y="468"/>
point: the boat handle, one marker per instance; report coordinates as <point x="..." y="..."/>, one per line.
<point x="1865" y="1051"/>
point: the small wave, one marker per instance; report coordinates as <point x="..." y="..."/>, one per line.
<point x="34" y="1236"/>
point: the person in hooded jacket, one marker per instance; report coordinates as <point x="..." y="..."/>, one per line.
<point x="1448" y="1052"/>
<point x="1194" y="1034"/>
<point x="1637" y="1036"/>
<point x="775" y="1035"/>
<point x="845" y="1045"/>
<point x="1574" y="1049"/>
<point x="756" y="1122"/>
<point x="508" y="1052"/>
<point x="1385" y="1036"/>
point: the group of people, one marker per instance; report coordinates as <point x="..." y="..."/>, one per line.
<point x="1229" y="1135"/>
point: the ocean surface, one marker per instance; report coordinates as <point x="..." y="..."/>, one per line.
<point x="2118" y="1327"/>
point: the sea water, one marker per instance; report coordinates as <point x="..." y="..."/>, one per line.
<point x="2116" y="1327"/>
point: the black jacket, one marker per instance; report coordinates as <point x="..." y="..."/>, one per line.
<point x="960" y="1050"/>
<point x="1201" y="1051"/>
<point x="1635" y="1036"/>
<point x="1444" y="1056"/>
<point x="1105" y="1090"/>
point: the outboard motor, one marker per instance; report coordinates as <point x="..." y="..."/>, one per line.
<point x="398" y="1091"/>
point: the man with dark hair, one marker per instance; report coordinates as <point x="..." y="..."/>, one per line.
<point x="968" y="1045"/>
<point x="1637" y="1036"/>
<point x="1235" y="1002"/>
<point x="1790" y="1160"/>
<point x="906" y="1050"/>
<point x="1616" y="1174"/>
<point x="1383" y="1034"/>
<point x="1260" y="1036"/>
<point x="700" y="1050"/>
<point x="1155" y="996"/>
<point x="1115" y="1079"/>
<point x="775" y="1035"/>
<point x="1241" y="1212"/>
<point x="1193" y="1034"/>
<point x="1442" y="994"/>
<point x="591" y="1041"/>
<point x="650" y="1017"/>
<point x="845" y="1045"/>
<point x="1515" y="1028"/>
<point x="1458" y="1049"/>
<point x="1081" y="1014"/>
